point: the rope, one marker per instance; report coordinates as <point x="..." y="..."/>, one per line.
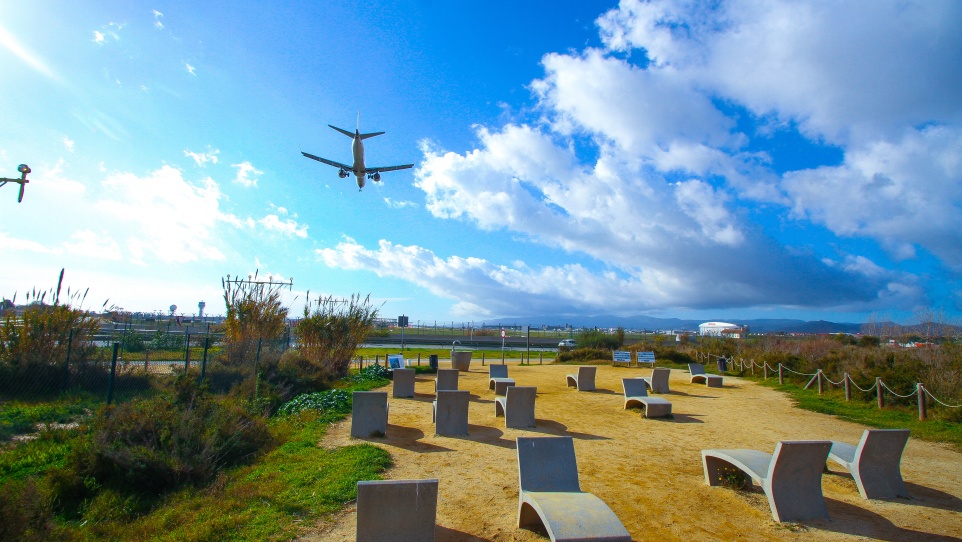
<point x="859" y="387"/>
<point x="897" y="395"/>
<point x="798" y="373"/>
<point x="927" y="392"/>
<point x="830" y="381"/>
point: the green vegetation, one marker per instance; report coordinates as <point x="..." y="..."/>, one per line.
<point x="331" y="331"/>
<point x="18" y="417"/>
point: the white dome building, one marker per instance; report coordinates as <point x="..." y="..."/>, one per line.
<point x="723" y="329"/>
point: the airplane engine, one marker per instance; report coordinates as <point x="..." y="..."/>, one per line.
<point x="342" y="174"/>
<point x="376" y="177"/>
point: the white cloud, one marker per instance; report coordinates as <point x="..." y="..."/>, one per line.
<point x="246" y="174"/>
<point x="190" y="69"/>
<point x="203" y="157"/>
<point x="157" y="17"/>
<point x="8" y="243"/>
<point x="399" y="204"/>
<point x="289" y="227"/>
<point x="92" y="245"/>
<point x="67" y="143"/>
<point x="99" y="37"/>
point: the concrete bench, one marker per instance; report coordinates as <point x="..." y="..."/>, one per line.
<point x="646" y="357"/>
<point x="369" y="414"/>
<point x="658" y="381"/>
<point x="584" y="380"/>
<point x="517" y="406"/>
<point x="791" y="477"/>
<point x="498" y="378"/>
<point x="397" y="510"/>
<point x="447" y="380"/>
<point x="451" y="412"/>
<point x="549" y="494"/>
<point x="699" y="376"/>
<point x="404" y="382"/>
<point x="636" y="394"/>
<point x="621" y="357"/>
<point x="875" y="462"/>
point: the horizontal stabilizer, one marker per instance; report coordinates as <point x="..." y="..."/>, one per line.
<point x="343" y="131"/>
<point x="365" y="136"/>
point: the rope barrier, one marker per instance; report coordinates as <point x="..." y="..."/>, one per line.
<point x="798" y="373"/>
<point x="866" y="390"/>
<point x="927" y="392"/>
<point x="897" y="395"/>
<point x="832" y="382"/>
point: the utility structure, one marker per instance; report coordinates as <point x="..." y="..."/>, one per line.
<point x="22" y="181"/>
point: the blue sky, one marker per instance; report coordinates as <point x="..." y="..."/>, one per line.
<point x="727" y="160"/>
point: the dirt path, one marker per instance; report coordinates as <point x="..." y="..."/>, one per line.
<point x="648" y="471"/>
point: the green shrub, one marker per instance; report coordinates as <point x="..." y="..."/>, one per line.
<point x="584" y="354"/>
<point x="334" y="401"/>
<point x="184" y="437"/>
<point x="372" y="373"/>
<point x="869" y="341"/>
<point x="593" y="338"/>
<point x="330" y="332"/>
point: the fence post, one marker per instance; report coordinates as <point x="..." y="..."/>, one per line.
<point x="66" y="363"/>
<point x="540" y="357"/>
<point x="419" y="359"/>
<point x="764" y="368"/>
<point x="502" y="357"/>
<point x="920" y="389"/>
<point x="878" y="390"/>
<point x="847" y="380"/>
<point x="753" y="366"/>
<point x="113" y="372"/>
<point x="203" y="364"/>
<point x="257" y="366"/>
<point x="186" y="352"/>
<point x="781" y="375"/>
<point x="377" y="359"/>
<point x="819" y="376"/>
<point x="482" y="359"/>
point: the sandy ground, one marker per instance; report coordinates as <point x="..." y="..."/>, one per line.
<point x="648" y="471"/>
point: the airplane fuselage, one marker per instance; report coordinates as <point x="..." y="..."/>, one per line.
<point x="357" y="148"/>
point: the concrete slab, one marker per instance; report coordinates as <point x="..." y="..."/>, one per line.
<point x="402" y="510"/>
<point x="451" y="412"/>
<point x="447" y="380"/>
<point x="369" y="414"/>
<point x="404" y="382"/>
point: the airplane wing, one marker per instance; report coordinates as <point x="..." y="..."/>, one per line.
<point x="345" y="167"/>
<point x="387" y="168"/>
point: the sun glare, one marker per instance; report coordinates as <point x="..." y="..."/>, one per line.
<point x="10" y="42"/>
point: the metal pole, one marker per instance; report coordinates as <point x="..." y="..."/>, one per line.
<point x="203" y="365"/>
<point x="187" y="352"/>
<point x="920" y="389"/>
<point x="113" y="372"/>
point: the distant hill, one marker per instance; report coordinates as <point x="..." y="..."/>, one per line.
<point x="654" y="324"/>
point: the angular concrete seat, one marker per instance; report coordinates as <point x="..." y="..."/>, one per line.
<point x="517" y="406"/>
<point x="451" y="412"/>
<point x="584" y="380"/>
<point x="791" y="477"/>
<point x="498" y="378"/>
<point x="875" y="462"/>
<point x="549" y="494"/>
<point x="403" y="382"/>
<point x="699" y="376"/>
<point x="447" y="380"/>
<point x="636" y="394"/>
<point x="658" y="381"/>
<point x="369" y="414"/>
<point x="396" y="510"/>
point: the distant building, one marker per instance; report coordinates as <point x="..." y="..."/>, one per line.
<point x="723" y="329"/>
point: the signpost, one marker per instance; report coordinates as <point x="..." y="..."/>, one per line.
<point x="402" y="322"/>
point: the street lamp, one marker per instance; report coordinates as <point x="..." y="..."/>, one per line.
<point x="22" y="181"/>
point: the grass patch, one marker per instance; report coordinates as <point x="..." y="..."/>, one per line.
<point x="20" y="417"/>
<point x="867" y="413"/>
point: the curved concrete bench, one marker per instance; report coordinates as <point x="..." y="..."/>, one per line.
<point x="517" y="406"/>
<point x="447" y="380"/>
<point x="791" y="477"/>
<point x="549" y="494"/>
<point x="369" y="414"/>
<point x="699" y="376"/>
<point x="658" y="381"/>
<point x="403" y="382"/>
<point x="636" y="394"/>
<point x="875" y="462"/>
<point x="396" y="510"/>
<point x="498" y="378"/>
<point x="584" y="380"/>
<point x="451" y="412"/>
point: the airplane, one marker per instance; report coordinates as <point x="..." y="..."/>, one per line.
<point x="359" y="170"/>
<point x="22" y="181"/>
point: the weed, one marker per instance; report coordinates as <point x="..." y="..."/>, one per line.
<point x="732" y="478"/>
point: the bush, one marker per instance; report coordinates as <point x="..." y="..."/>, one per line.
<point x="868" y="341"/>
<point x="584" y="354"/>
<point x="334" y="401"/>
<point x="330" y="332"/>
<point x="593" y="338"/>
<point x="372" y="373"/>
<point x="158" y="444"/>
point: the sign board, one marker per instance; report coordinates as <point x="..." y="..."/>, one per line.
<point x="502" y="333"/>
<point x="402" y="321"/>
<point x="395" y="361"/>
<point x="524" y="329"/>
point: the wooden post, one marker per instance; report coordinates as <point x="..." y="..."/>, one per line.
<point x="419" y="359"/>
<point x="482" y="359"/>
<point x="878" y="391"/>
<point x="847" y="380"/>
<point x="377" y="359"/>
<point x="781" y="376"/>
<point x="820" y="386"/>
<point x="540" y="357"/>
<point x="765" y="369"/>
<point x="753" y="367"/>
<point x="920" y="389"/>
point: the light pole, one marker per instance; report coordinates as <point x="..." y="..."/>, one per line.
<point x="22" y="181"/>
